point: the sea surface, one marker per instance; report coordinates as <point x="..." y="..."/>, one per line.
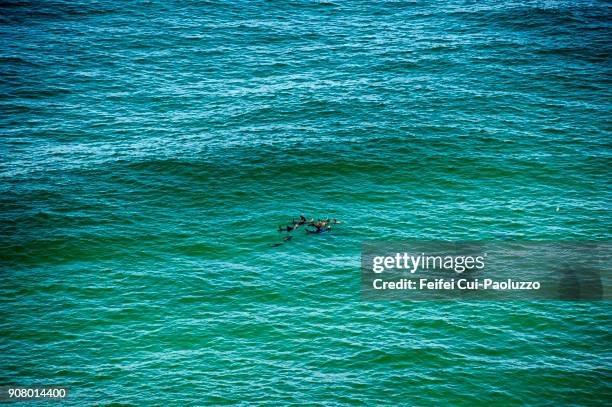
<point x="150" y="149"/>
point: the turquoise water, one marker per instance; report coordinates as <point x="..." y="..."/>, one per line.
<point x="150" y="149"/>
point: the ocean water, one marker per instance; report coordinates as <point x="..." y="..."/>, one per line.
<point x="150" y="149"/>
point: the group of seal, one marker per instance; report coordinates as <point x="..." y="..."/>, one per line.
<point x="320" y="226"/>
